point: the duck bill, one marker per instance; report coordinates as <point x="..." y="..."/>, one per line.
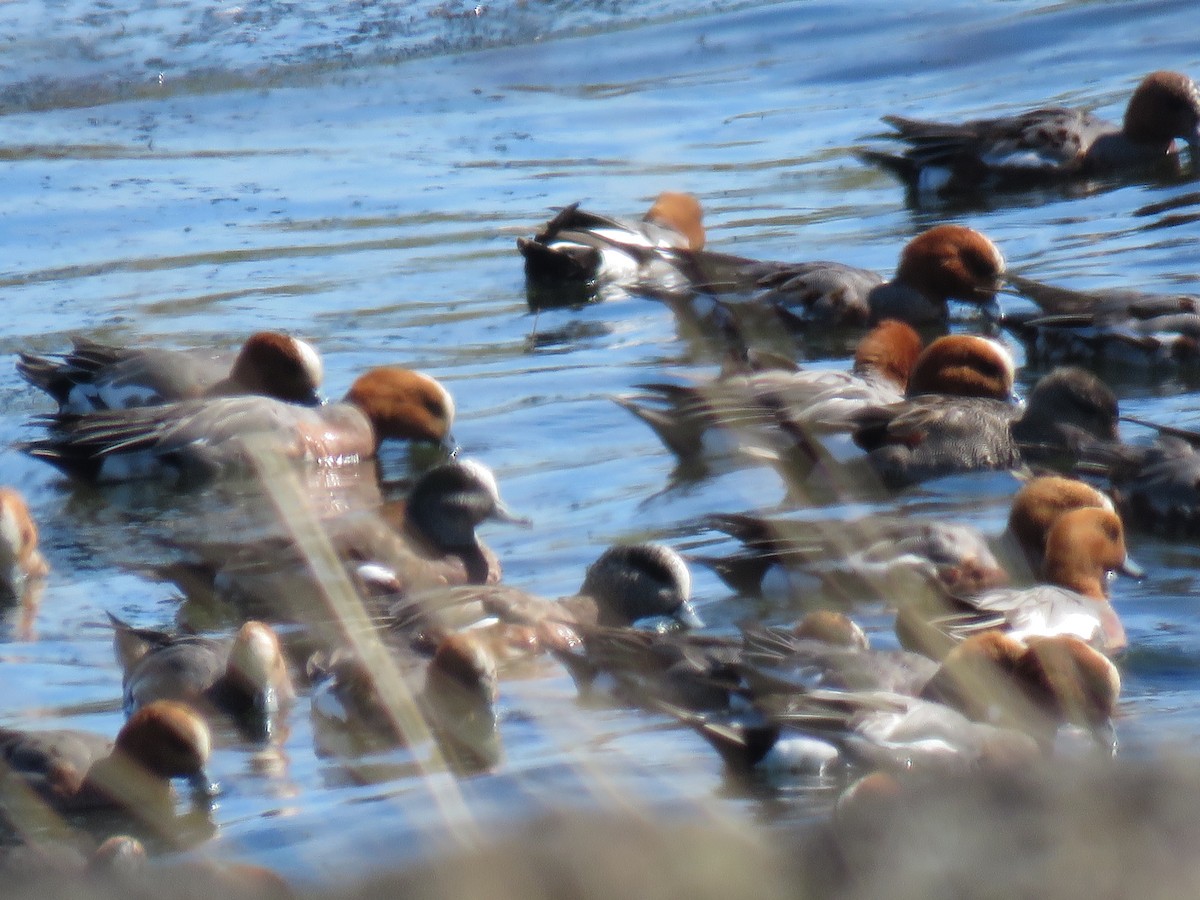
<point x="686" y="615"/>
<point x="204" y="789"/>
<point x="503" y="514"/>
<point x="1131" y="569"/>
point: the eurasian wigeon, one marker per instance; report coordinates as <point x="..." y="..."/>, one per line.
<point x="935" y="434"/>
<point x="747" y="405"/>
<point x="425" y="541"/>
<point x="812" y="733"/>
<point x="245" y="677"/>
<point x="1116" y="327"/>
<point x="1051" y="144"/>
<point x="96" y="376"/>
<point x="1084" y="547"/>
<point x="456" y="698"/>
<point x="784" y="557"/>
<point x="1035" y="508"/>
<point x="946" y="262"/>
<point x="76" y="770"/>
<point x="1156" y="486"/>
<point x="199" y="438"/>
<point x="588" y="252"/>
<point x="628" y="583"/>
<point x="20" y="560"/>
<point x="1034" y="685"/>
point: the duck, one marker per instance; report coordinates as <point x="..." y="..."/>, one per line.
<point x="784" y="558"/>
<point x="1036" y="685"/>
<point x="1083" y="548"/>
<point x="245" y="677"/>
<point x="96" y="376"/>
<point x="627" y="584"/>
<point x="993" y="699"/>
<point x="196" y="440"/>
<point x="1049" y="144"/>
<point x="819" y="733"/>
<point x="1035" y="508"/>
<point x="427" y="540"/>
<point x="74" y="771"/>
<point x="1156" y="486"/>
<point x="455" y="692"/>
<point x="21" y="562"/>
<point x="685" y="417"/>
<point x="1116" y="327"/>
<point x="946" y="262"/>
<point x="592" y="252"/>
<point x="931" y="435"/>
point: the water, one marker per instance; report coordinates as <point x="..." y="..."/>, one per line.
<point x="185" y="173"/>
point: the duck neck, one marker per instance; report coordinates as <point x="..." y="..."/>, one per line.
<point x="1087" y="583"/>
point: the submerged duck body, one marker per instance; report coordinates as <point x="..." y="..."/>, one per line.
<point x="1047" y="145"/>
<point x="95" y="376"/>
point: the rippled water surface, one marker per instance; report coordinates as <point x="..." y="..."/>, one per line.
<point x="185" y="173"/>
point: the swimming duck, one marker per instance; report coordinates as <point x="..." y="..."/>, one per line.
<point x="782" y="557"/>
<point x="1035" y="685"/>
<point x="457" y="700"/>
<point x="20" y="560"/>
<point x="96" y="376"/>
<point x="946" y="262"/>
<point x="1083" y="548"/>
<point x="1035" y="508"/>
<point x="200" y="438"/>
<point x="932" y="435"/>
<point x="748" y="405"/>
<point x="817" y="732"/>
<point x="77" y="770"/>
<point x="1118" y="327"/>
<point x="627" y="583"/>
<point x="1156" y="486"/>
<point x="590" y="252"/>
<point x="1051" y="144"/>
<point x="425" y="541"/>
<point x="245" y="677"/>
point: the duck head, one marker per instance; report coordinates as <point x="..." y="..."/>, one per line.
<point x="637" y="581"/>
<point x="1038" y="505"/>
<point x="1084" y="546"/>
<point x="1166" y="105"/>
<point x="449" y="501"/>
<point x="403" y="404"/>
<point x="964" y="365"/>
<point x="277" y="365"/>
<point x="890" y="349"/>
<point x="952" y="262"/>
<point x="681" y="212"/>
